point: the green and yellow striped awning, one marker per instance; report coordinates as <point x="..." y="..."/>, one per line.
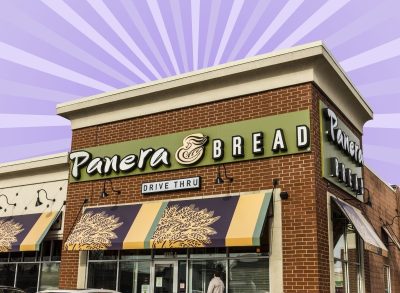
<point x="24" y="232"/>
<point x="201" y="222"/>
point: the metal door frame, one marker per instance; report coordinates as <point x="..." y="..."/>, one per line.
<point x="174" y="274"/>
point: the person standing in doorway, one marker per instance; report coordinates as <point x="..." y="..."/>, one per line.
<point x="216" y="285"/>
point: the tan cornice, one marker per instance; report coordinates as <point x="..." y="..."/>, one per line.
<point x="306" y="63"/>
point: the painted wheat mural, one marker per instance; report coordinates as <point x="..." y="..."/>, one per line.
<point x="8" y="234"/>
<point x="184" y="227"/>
<point x="94" y="231"/>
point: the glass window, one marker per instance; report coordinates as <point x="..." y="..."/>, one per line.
<point x="170" y="253"/>
<point x="21" y="269"/>
<point x="15" y="256"/>
<point x="338" y="239"/>
<point x="103" y="254"/>
<point x="4" y="256"/>
<point x="27" y="277"/>
<point x="11" y="290"/>
<point x="7" y="274"/>
<point x="248" y="251"/>
<point x="57" y="223"/>
<point x="49" y="275"/>
<point x="241" y="270"/>
<point x="182" y="276"/>
<point x="135" y="254"/>
<point x="57" y="247"/>
<point x="201" y="273"/>
<point x="347" y="255"/>
<point x="163" y="278"/>
<point x="386" y="277"/>
<point x="29" y="256"/>
<point x="134" y="276"/>
<point x="102" y="275"/>
<point x="339" y="276"/>
<point x="207" y="252"/>
<point x="46" y="250"/>
<point x="249" y="275"/>
<point x="353" y="259"/>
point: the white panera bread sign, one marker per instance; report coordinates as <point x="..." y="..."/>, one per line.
<point x="171" y="185"/>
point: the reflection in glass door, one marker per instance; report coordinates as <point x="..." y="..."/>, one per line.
<point x="165" y="276"/>
<point x="134" y="277"/>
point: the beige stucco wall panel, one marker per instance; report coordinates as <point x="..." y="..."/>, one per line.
<point x="11" y="180"/>
<point x="25" y="197"/>
<point x="227" y="87"/>
<point x="21" y="180"/>
<point x="34" y="170"/>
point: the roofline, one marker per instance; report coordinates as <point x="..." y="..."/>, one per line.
<point x="377" y="176"/>
<point x="63" y="107"/>
<point x="72" y="109"/>
<point x="34" y="163"/>
<point x="339" y="69"/>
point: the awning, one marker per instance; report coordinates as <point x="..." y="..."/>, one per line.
<point x="392" y="236"/>
<point x="201" y="222"/>
<point x="24" y="232"/>
<point x="372" y="242"/>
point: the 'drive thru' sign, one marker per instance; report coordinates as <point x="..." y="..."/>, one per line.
<point x="171" y="185"/>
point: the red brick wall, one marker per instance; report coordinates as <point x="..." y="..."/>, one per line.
<point x="385" y="203"/>
<point x="323" y="187"/>
<point x="304" y="215"/>
<point x="296" y="173"/>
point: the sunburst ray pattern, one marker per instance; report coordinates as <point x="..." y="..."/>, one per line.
<point x="57" y="51"/>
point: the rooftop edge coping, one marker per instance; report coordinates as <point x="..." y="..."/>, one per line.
<point x="198" y="77"/>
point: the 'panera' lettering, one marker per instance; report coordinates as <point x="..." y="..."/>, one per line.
<point x="104" y="166"/>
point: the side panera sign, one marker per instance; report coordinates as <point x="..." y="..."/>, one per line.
<point x="245" y="140"/>
<point x="342" y="156"/>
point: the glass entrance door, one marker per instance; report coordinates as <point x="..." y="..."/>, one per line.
<point x="165" y="275"/>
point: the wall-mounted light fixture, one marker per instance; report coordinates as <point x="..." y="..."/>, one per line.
<point x="392" y="221"/>
<point x="104" y="193"/>
<point x="368" y="202"/>
<point x="38" y="202"/>
<point x="10" y="204"/>
<point x="284" y="195"/>
<point x="218" y="179"/>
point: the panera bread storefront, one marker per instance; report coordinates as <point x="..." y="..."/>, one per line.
<point x="252" y="171"/>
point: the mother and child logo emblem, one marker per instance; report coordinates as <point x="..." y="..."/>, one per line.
<point x="192" y="149"/>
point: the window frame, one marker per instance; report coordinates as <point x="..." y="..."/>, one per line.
<point x="347" y="225"/>
<point x="38" y="260"/>
<point x="388" y="283"/>
<point x="226" y="257"/>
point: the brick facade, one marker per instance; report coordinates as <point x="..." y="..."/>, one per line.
<point x="304" y="215"/>
<point x="385" y="204"/>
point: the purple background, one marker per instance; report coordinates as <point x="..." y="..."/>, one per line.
<point x="55" y="51"/>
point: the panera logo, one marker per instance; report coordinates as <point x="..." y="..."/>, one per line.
<point x="192" y="149"/>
